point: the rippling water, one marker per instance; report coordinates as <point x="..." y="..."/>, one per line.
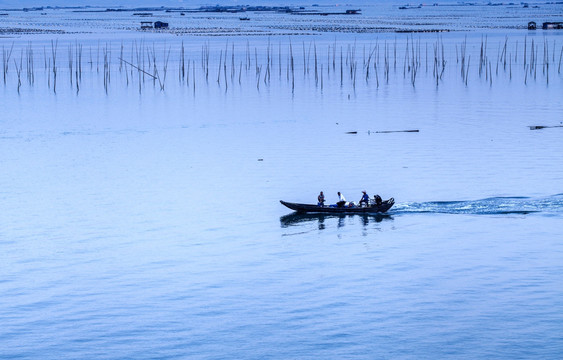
<point x="148" y="225"/>
<point x="552" y="205"/>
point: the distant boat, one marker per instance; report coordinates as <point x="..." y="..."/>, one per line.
<point x="244" y="18"/>
<point x="333" y="209"/>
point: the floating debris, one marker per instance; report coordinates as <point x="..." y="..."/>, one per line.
<point x="352" y="132"/>
<point x="539" y="127"/>
<point x="396" y="131"/>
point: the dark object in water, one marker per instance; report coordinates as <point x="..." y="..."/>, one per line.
<point x="552" y="25"/>
<point x="396" y="131"/>
<point x="352" y="132"/>
<point x="532" y="25"/>
<point x="310" y="208"/>
<point x="160" y="25"/>
<point x="244" y="18"/>
<point x="539" y="127"/>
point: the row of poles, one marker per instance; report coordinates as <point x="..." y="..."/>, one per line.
<point x="344" y="62"/>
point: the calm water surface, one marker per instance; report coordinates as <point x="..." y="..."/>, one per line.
<point x="149" y="225"/>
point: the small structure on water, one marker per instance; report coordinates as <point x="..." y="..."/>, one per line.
<point x="146" y="25"/>
<point x="552" y="25"/>
<point x="532" y="25"/>
<point x="160" y="25"/>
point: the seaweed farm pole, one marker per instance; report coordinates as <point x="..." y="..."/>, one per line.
<point x="188" y="74"/>
<point x="375" y="69"/>
<point x="280" y="59"/>
<point x="510" y="65"/>
<point x="49" y="75"/>
<point x="341" y="68"/>
<point x="334" y="56"/>
<point x="467" y="71"/>
<point x="406" y="65"/>
<point x="269" y="60"/>
<point x="78" y="67"/>
<point x="535" y="65"/>
<point x="239" y="72"/>
<point x="219" y="70"/>
<point x="225" y="73"/>
<point x="308" y="56"/>
<point x="6" y="60"/>
<point x="165" y="69"/>
<point x="560" y="55"/>
<point x="70" y="63"/>
<point x="304" y="61"/>
<point x="182" y="66"/>
<point x="328" y="63"/>
<point x="367" y="64"/>
<point x="504" y="52"/>
<point x="395" y="56"/>
<point x="30" y="64"/>
<point x="321" y="77"/>
<point x="490" y="74"/>
<point x="481" y="57"/>
<point x="233" y="70"/>
<point x="19" y="70"/>
<point x="258" y="70"/>
<point x="79" y="49"/>
<point x="247" y="56"/>
<point x="54" y="54"/>
<point x="426" y="53"/>
<point x="525" y="48"/>
<point x="121" y="57"/>
<point x="316" y="72"/>
<point x="193" y="72"/>
<point x="443" y="60"/>
<point x="292" y="67"/>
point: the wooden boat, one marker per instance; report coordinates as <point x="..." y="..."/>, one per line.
<point x="333" y="209"/>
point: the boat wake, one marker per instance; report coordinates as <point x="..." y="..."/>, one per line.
<point x="552" y="205"/>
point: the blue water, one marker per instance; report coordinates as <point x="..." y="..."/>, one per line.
<point x="147" y="224"/>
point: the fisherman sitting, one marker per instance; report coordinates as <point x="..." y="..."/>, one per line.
<point x="341" y="200"/>
<point x="364" y="200"/>
<point x="377" y="200"/>
<point x="321" y="199"/>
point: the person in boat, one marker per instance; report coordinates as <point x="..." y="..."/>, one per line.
<point x="365" y="199"/>
<point x="341" y="200"/>
<point x="321" y="199"/>
<point x="377" y="200"/>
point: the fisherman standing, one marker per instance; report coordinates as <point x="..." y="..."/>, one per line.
<point x="321" y="199"/>
<point x="365" y="199"/>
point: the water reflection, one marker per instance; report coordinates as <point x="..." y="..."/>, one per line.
<point x="296" y="218"/>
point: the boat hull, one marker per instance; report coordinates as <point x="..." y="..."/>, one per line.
<point x="315" y="209"/>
